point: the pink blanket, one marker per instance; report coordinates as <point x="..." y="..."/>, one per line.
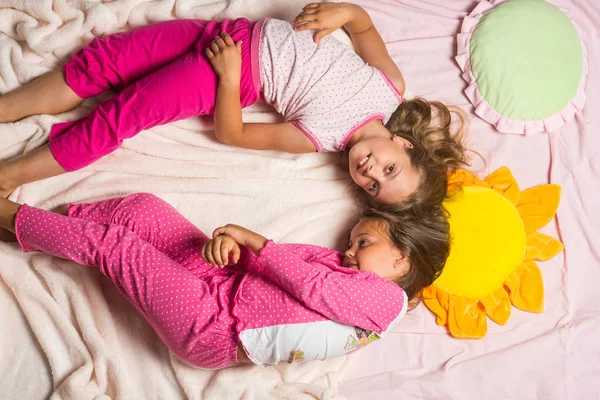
<point x="553" y="355"/>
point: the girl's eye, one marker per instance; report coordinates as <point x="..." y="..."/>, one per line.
<point x="373" y="186"/>
<point x="362" y="243"/>
<point x="390" y="169"/>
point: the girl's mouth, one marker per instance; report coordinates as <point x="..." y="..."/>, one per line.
<point x="363" y="161"/>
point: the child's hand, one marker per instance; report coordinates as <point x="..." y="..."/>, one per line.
<point x="325" y="17"/>
<point x="220" y="250"/>
<point x="225" y="57"/>
<point x="243" y="236"/>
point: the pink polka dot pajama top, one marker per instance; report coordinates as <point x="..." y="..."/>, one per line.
<point x="162" y="75"/>
<point x="292" y="302"/>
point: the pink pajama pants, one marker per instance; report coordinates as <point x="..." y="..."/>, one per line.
<point x="153" y="256"/>
<point x="162" y="75"/>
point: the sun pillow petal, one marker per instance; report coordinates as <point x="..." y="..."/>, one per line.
<point x="525" y="65"/>
<point x="494" y="244"/>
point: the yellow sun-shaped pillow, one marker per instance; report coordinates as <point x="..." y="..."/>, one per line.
<point x="494" y="226"/>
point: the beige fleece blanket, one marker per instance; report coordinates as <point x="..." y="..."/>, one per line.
<point x="65" y="331"/>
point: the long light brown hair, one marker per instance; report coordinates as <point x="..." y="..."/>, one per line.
<point x="421" y="233"/>
<point x="436" y="133"/>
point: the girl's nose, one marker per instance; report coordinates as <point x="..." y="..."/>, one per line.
<point x="349" y="253"/>
<point x="371" y="171"/>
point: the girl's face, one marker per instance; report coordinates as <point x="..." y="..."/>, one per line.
<point x="370" y="250"/>
<point x="383" y="169"/>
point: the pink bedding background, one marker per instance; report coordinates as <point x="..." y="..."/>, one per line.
<point x="66" y="332"/>
<point x="553" y="355"/>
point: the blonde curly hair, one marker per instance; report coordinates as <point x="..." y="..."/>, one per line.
<point x="437" y="148"/>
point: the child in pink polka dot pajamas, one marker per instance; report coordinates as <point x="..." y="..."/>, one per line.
<point x="238" y="296"/>
<point x="331" y="98"/>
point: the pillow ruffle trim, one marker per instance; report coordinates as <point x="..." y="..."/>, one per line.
<point x="484" y="110"/>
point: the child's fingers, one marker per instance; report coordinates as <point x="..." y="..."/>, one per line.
<point x="235" y="254"/>
<point x="225" y="249"/>
<point x="238" y="45"/>
<point x="311" y="6"/>
<point x="216" y="250"/>
<point x="303" y="18"/>
<point x="227" y="39"/>
<point x="306" y="16"/>
<point x="215" y="47"/>
<point x="221" y="43"/>
<point x="211" y="254"/>
<point x="208" y="257"/>
<point x="307" y="26"/>
<point x="209" y="53"/>
<point x="219" y="231"/>
<point x="321" y="34"/>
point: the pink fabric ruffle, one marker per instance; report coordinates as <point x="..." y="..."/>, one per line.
<point x="484" y="110"/>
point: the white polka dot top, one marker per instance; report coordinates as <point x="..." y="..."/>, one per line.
<point x="325" y="89"/>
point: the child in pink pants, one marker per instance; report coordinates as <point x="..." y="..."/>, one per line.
<point x="272" y="303"/>
<point x="330" y="97"/>
<point x="164" y="76"/>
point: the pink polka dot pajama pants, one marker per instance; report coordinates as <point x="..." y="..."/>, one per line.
<point x="153" y="255"/>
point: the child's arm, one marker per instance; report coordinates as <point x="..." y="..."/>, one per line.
<point x="327" y="17"/>
<point x="224" y="246"/>
<point x="340" y="294"/>
<point x="284" y="136"/>
<point x="317" y="280"/>
<point x="225" y="57"/>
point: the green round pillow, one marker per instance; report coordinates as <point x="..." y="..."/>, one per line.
<point x="525" y="65"/>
